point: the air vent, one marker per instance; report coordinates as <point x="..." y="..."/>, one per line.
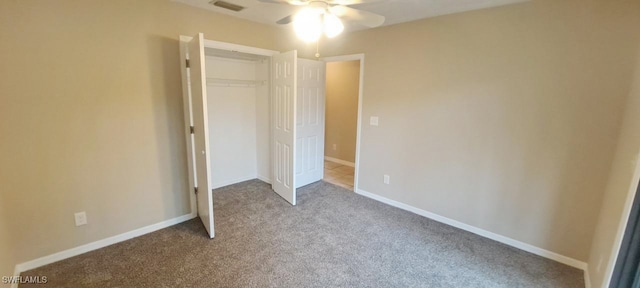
<point x="227" y="5"/>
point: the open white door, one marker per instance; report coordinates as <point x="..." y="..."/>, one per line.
<point x="310" y="122"/>
<point x="198" y="85"/>
<point x="283" y="103"/>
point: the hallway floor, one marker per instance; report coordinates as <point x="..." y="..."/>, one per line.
<point x="339" y="174"/>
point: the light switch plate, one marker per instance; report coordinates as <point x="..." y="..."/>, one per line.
<point x="81" y="218"/>
<point x="373" y="121"/>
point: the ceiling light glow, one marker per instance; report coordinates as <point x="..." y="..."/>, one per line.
<point x="310" y="22"/>
<point x="332" y="25"/>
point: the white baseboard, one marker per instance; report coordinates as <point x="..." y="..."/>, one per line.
<point x="484" y="233"/>
<point x="587" y="279"/>
<point x="234" y="181"/>
<point x="339" y="161"/>
<point x="99" y="244"/>
<point x="264" y="179"/>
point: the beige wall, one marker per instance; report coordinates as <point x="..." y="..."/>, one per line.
<point x="621" y="181"/>
<point x="91" y="115"/>
<point x="505" y="119"/>
<point x="342" y="85"/>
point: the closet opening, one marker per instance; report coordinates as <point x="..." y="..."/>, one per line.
<point x="238" y="116"/>
<point x="250" y="113"/>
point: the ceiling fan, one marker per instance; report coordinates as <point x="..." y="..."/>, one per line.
<point x="326" y="16"/>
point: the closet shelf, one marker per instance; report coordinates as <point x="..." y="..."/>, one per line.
<point x="234" y="82"/>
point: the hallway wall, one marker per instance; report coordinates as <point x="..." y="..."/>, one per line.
<point x="342" y="86"/>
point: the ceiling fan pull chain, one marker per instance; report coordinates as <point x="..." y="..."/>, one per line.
<point x="318" y="48"/>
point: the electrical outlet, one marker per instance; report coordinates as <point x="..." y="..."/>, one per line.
<point x="335" y="147"/>
<point x="81" y="218"/>
<point x="387" y="179"/>
<point x="373" y="121"/>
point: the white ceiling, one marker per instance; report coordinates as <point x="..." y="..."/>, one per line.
<point x="395" y="11"/>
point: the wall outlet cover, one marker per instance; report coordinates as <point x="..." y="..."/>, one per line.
<point x="373" y="121"/>
<point x="81" y="218"/>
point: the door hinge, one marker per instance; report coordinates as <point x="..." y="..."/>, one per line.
<point x="195" y="190"/>
<point x="187" y="63"/>
<point x="191" y="129"/>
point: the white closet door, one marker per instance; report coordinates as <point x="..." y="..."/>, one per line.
<point x="283" y="99"/>
<point x="310" y="122"/>
<point x="201" y="131"/>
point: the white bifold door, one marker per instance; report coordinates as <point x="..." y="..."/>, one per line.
<point x="283" y="111"/>
<point x="310" y="122"/>
<point x="298" y="101"/>
<point x="201" y="132"/>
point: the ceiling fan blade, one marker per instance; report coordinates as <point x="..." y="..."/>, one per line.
<point x="351" y="2"/>
<point x="362" y="17"/>
<point x="290" y="2"/>
<point x="285" y="20"/>
<point x="330" y="2"/>
<point x="274" y="1"/>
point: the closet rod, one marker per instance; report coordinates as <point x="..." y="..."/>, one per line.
<point x="234" y="82"/>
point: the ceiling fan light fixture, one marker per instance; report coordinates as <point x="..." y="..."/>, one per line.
<point x="308" y="24"/>
<point x="332" y="25"/>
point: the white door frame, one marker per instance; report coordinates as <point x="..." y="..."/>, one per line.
<point x="186" y="96"/>
<point x="353" y="57"/>
<point x="622" y="226"/>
